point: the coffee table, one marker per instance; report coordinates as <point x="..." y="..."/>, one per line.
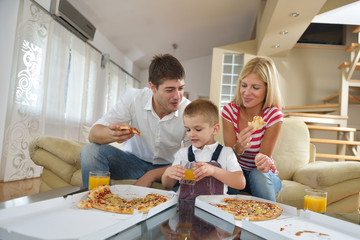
<point x="181" y="220"/>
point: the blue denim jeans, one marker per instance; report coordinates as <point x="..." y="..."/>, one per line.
<point x="260" y="184"/>
<point x="122" y="165"/>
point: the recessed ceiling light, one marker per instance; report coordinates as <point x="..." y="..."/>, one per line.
<point x="276" y="45"/>
<point x="294" y="14"/>
<point x="284" y="32"/>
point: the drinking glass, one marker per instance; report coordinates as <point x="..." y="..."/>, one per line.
<point x="189" y="173"/>
<point x="315" y="200"/>
<point x="98" y="178"/>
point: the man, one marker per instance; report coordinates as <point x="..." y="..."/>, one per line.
<point x="156" y="113"/>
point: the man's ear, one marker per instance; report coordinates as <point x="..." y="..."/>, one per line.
<point x="152" y="87"/>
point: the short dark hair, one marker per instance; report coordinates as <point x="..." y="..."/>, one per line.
<point x="205" y="108"/>
<point x="165" y="67"/>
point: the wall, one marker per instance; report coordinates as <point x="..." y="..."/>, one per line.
<point x="197" y="77"/>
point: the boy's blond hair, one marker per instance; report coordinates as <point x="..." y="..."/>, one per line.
<point x="205" y="108"/>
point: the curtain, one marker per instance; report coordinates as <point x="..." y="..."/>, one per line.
<point x="26" y="94"/>
<point x="118" y="82"/>
<point x="52" y="91"/>
<point x="55" y="89"/>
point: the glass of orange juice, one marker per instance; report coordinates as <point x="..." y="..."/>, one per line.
<point x="98" y="178"/>
<point x="189" y="173"/>
<point x="315" y="200"/>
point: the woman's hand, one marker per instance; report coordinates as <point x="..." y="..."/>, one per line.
<point x="244" y="139"/>
<point x="263" y="163"/>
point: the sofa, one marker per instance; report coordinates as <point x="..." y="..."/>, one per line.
<point x="294" y="156"/>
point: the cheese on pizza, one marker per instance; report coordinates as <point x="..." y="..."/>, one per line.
<point x="102" y="198"/>
<point x="251" y="209"/>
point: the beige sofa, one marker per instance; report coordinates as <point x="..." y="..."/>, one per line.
<point x="293" y="154"/>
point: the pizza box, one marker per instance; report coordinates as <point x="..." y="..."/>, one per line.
<point x="308" y="225"/>
<point x="289" y="225"/>
<point x="60" y="218"/>
<point x="204" y="201"/>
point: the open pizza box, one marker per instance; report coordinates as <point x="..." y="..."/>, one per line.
<point x="289" y="225"/>
<point x="60" y="218"/>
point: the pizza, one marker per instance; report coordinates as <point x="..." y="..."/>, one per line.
<point x="251" y="209"/>
<point x="102" y="198"/>
<point x="257" y="122"/>
<point x="132" y="130"/>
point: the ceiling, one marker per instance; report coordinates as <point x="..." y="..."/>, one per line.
<point x="142" y="28"/>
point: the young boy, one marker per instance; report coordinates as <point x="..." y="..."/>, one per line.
<point x="216" y="167"/>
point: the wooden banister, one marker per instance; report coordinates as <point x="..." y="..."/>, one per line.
<point x="333" y="141"/>
<point x="335" y="156"/>
<point x="351" y="47"/>
<point x="330" y="128"/>
<point x="314" y="115"/>
<point x="347" y="64"/>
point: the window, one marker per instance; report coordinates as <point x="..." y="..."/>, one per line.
<point x="232" y="66"/>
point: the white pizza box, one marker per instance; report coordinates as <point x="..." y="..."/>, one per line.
<point x="204" y="201"/>
<point x="60" y="218"/>
<point x="308" y="225"/>
<point x="288" y="224"/>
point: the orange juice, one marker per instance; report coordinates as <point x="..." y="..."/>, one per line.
<point x="95" y="181"/>
<point x="189" y="174"/>
<point x="315" y="203"/>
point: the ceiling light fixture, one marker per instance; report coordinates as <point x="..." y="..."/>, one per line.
<point x="284" y="32"/>
<point x="294" y="14"/>
<point x="276" y="45"/>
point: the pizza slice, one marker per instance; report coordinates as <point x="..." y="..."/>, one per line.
<point x="257" y="122"/>
<point x="132" y="130"/>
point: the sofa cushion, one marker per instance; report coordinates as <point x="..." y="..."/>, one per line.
<point x="292" y="150"/>
<point x="321" y="174"/>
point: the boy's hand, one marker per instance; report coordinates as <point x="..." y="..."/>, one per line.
<point x="175" y="172"/>
<point x="202" y="169"/>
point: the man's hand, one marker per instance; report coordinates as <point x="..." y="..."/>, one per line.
<point x="120" y="135"/>
<point x="145" y="181"/>
<point x="151" y="176"/>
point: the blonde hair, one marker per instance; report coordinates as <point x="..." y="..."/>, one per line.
<point x="205" y="108"/>
<point x="265" y="69"/>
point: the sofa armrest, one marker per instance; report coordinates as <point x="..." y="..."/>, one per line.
<point x="322" y="174"/>
<point x="58" y="155"/>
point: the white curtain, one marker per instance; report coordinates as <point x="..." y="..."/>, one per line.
<point x="118" y="82"/>
<point x="52" y="90"/>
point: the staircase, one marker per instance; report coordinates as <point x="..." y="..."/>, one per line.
<point x="333" y="117"/>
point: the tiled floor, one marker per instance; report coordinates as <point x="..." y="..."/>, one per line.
<point x="20" y="188"/>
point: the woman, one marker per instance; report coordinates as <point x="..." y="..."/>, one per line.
<point x="257" y="94"/>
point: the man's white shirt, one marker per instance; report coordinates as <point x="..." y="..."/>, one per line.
<point x="160" y="139"/>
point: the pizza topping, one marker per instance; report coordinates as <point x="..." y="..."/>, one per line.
<point x="254" y="210"/>
<point x="102" y="198"/>
<point x="257" y="122"/>
<point x="132" y="130"/>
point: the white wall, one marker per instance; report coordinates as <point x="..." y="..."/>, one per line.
<point x="8" y="13"/>
<point x="197" y="77"/>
